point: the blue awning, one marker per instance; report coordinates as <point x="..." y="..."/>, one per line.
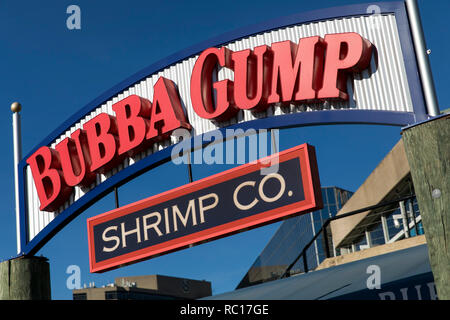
<point x="404" y="275"/>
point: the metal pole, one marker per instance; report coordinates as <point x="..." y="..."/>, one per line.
<point x="325" y="238"/>
<point x="190" y="171"/>
<point x="116" y="197"/>
<point x="422" y="58"/>
<point x="385" y="227"/>
<point x="305" y="263"/>
<point x="404" y="219"/>
<point x="368" y="239"/>
<point x="274" y="140"/>
<point x="189" y="165"/>
<point x="17" y="141"/>
<point x="413" y="216"/>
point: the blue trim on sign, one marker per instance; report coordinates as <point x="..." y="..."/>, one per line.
<point x="301" y="119"/>
<point x="153" y="160"/>
<point x="443" y="115"/>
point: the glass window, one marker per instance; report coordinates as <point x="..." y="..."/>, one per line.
<point x="360" y="243"/>
<point x="332" y="209"/>
<point x="289" y="241"/>
<point x="324" y="196"/>
<point x="325" y="215"/>
<point x="79" y="296"/>
<point x="377" y="235"/>
<point x="115" y="295"/>
<point x="331" y="197"/>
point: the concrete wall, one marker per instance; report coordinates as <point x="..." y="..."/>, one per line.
<point x="153" y="284"/>
<point x="372" y="252"/>
<point x="380" y="184"/>
<point x="185" y="288"/>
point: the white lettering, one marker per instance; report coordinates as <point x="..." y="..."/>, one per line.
<point x="235" y="194"/>
<point x="279" y="194"/>
<point x="153" y="225"/>
<point x="127" y="233"/>
<point x="203" y="208"/>
<point x="433" y="292"/>
<point x="176" y="212"/>
<point x="386" y="295"/>
<point x="112" y="238"/>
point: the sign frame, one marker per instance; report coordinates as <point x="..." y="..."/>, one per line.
<point x="312" y="201"/>
<point x="30" y="247"/>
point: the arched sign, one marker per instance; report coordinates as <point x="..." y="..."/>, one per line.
<point x="340" y="65"/>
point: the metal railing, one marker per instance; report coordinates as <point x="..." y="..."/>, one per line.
<point x="324" y="229"/>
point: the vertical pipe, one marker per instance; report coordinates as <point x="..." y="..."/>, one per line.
<point x="274" y="139"/>
<point x="116" y="197"/>
<point x="404" y="219"/>
<point x="17" y="141"/>
<point x="385" y="228"/>
<point x="190" y="172"/>
<point x="334" y="247"/>
<point x="316" y="250"/>
<point x="189" y="165"/>
<point x="422" y="58"/>
<point x="325" y="238"/>
<point x="368" y="239"/>
<point x="305" y="262"/>
<point x="413" y="216"/>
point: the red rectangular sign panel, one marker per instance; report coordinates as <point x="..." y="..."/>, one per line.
<point x="242" y="198"/>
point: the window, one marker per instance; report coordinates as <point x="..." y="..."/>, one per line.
<point x="331" y="197"/>
<point x="79" y="296"/>
<point x="115" y="295"/>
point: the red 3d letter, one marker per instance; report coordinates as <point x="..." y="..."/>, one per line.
<point x="202" y="86"/>
<point x="251" y="77"/>
<point x="346" y="52"/>
<point x="75" y="159"/>
<point x="296" y="69"/>
<point x="166" y="111"/>
<point x="51" y="188"/>
<point x="101" y="134"/>
<point x="132" y="115"/>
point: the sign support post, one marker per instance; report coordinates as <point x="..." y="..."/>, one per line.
<point x="25" y="278"/>
<point x="17" y="140"/>
<point x="427" y="148"/>
<point x="22" y="278"/>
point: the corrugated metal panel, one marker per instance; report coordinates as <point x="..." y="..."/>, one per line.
<point x="382" y="87"/>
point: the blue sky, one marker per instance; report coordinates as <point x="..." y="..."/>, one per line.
<point x="54" y="72"/>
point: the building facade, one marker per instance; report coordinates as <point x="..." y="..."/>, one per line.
<point x="150" y="287"/>
<point x="291" y="237"/>
<point x="380" y="218"/>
